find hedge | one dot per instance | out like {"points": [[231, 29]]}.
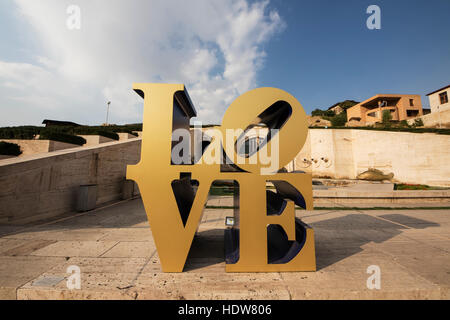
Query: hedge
{"points": [[108, 134], [68, 133], [62, 137], [24, 132], [100, 131], [128, 128], [9, 149]]}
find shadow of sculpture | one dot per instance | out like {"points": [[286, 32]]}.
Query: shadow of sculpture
{"points": [[207, 249], [120, 215], [336, 238], [409, 221], [339, 238]]}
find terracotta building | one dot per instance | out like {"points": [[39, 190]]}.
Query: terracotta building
{"points": [[401, 107]]}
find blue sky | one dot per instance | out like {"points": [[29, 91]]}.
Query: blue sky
{"points": [[320, 51], [326, 54]]}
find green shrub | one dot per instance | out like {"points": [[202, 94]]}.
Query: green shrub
{"points": [[386, 117], [404, 124], [120, 129], [29, 132], [62, 137], [9, 149], [134, 127], [24, 132], [108, 134], [321, 113], [221, 191], [418, 122], [100, 131], [339, 120], [347, 104], [406, 186]]}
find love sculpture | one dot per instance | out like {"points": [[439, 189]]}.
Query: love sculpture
{"points": [[266, 235]]}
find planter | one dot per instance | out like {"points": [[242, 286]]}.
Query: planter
{"points": [[87, 197]]}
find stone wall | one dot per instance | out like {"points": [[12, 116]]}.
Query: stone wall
{"points": [[435, 119], [41, 186], [125, 136], [412, 157], [29, 147], [93, 140]]}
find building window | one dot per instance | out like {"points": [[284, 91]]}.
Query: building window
{"points": [[411, 102], [412, 113], [443, 97]]}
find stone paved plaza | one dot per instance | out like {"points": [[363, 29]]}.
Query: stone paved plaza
{"points": [[114, 248]]}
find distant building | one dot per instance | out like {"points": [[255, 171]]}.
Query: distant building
{"points": [[401, 107], [54, 123], [439, 99], [342, 106], [337, 109]]}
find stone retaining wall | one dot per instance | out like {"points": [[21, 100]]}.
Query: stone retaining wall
{"points": [[435, 119], [29, 147], [420, 158], [93, 140], [41, 186]]}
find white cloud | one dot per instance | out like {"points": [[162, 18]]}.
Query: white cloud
{"points": [[215, 47]]}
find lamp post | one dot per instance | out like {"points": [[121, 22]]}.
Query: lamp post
{"points": [[107, 112]]}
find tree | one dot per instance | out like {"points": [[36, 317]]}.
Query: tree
{"points": [[348, 104], [317, 112], [322, 113], [404, 124], [386, 117], [339, 120]]}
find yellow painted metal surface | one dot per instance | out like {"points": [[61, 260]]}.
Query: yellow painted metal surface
{"points": [[155, 173]]}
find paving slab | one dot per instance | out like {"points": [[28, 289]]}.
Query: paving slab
{"points": [[17, 271], [131, 249], [28, 248], [8, 244], [57, 233], [75, 249], [101, 278], [128, 234], [116, 254]]}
